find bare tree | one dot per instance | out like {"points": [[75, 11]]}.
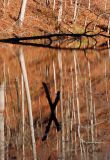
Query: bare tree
{"points": [[60, 12], [22, 12], [75, 10]]}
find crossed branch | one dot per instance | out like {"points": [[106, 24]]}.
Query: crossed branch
{"points": [[52, 108]]}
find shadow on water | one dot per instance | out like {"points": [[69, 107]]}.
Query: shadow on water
{"points": [[83, 78], [48, 42]]}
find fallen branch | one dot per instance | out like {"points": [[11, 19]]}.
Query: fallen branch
{"points": [[59, 37]]}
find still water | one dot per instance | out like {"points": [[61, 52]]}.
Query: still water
{"points": [[83, 79]]}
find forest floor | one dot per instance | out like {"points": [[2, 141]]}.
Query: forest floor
{"points": [[41, 19]]}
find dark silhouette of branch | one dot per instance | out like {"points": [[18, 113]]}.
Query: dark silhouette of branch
{"points": [[50, 39], [52, 107]]}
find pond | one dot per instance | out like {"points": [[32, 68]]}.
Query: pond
{"points": [[83, 79]]}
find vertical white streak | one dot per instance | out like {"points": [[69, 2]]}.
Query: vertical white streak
{"points": [[60, 12], [67, 125], [89, 5], [91, 104], [55, 82], [77, 99], [22, 12], [61, 101], [23, 116], [106, 81], [74, 115], [75, 10], [2, 107], [54, 73], [109, 25], [24, 72]]}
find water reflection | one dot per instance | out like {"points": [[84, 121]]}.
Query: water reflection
{"points": [[83, 77]]}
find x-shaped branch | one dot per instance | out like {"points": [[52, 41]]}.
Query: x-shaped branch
{"points": [[52, 107]]}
